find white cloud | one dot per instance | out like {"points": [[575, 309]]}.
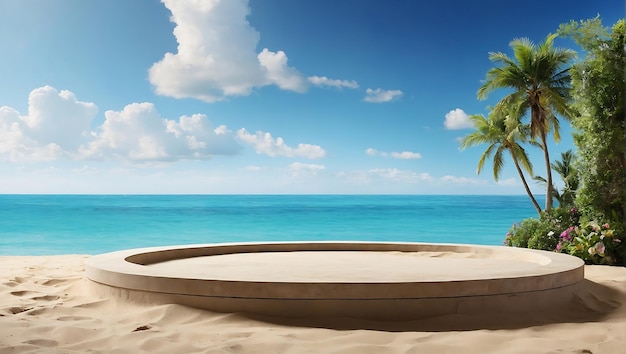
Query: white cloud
{"points": [[324, 81], [264, 143], [56, 124], [426, 177], [395, 174], [463, 180], [278, 73], [457, 119], [380, 95], [217, 55], [58, 117], [509, 182], [404, 155], [139, 133], [371, 151], [299, 169]]}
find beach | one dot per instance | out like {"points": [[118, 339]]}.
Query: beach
{"points": [[47, 307]]}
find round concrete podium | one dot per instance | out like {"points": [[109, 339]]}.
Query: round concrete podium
{"points": [[372, 280]]}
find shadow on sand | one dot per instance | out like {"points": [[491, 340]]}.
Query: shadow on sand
{"points": [[589, 302]]}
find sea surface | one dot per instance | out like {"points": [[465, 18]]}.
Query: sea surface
{"points": [[93, 224]]}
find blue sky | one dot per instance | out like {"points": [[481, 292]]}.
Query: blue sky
{"points": [[258, 96]]}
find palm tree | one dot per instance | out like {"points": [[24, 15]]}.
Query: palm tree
{"points": [[569, 176], [540, 81], [501, 137]]}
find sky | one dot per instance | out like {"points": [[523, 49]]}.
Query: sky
{"points": [[259, 96]]}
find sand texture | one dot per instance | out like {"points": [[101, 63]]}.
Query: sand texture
{"points": [[46, 306]]}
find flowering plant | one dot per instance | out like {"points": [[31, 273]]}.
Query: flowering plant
{"points": [[593, 243]]}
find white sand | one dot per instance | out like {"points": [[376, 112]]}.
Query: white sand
{"points": [[46, 307]]}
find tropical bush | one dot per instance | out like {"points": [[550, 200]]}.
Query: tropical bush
{"points": [[542, 233], [519, 234], [598, 91], [593, 242], [560, 230], [545, 85]]}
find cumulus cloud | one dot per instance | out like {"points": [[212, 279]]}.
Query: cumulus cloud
{"points": [[457, 119], [264, 143], [279, 73], [58, 117], [58, 125], [379, 95], [404, 155], [139, 133], [217, 55], [324, 81]]}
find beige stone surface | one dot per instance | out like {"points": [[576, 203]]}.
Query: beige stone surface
{"points": [[348, 266], [391, 281]]}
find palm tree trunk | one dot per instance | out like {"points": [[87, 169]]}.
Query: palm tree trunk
{"points": [[546, 156], [530, 194]]}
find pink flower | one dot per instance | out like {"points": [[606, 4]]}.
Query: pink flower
{"points": [[566, 235], [600, 248], [606, 226], [559, 246]]}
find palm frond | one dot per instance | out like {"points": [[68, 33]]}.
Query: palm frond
{"points": [[498, 162], [485, 155], [519, 153]]}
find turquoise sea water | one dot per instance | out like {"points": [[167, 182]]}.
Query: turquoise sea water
{"points": [[92, 224]]}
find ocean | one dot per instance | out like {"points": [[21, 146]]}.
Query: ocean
{"points": [[93, 224]]}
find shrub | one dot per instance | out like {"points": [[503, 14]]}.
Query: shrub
{"points": [[519, 235], [542, 233], [559, 230], [594, 243]]}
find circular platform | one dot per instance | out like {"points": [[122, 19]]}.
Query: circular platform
{"points": [[346, 279]]}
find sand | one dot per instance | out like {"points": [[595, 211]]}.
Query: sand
{"points": [[349, 266], [46, 307]]}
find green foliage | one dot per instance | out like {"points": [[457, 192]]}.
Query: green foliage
{"points": [[570, 177], [519, 234], [598, 91], [594, 243], [560, 230], [540, 81], [596, 181], [501, 137], [542, 233], [544, 239]]}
